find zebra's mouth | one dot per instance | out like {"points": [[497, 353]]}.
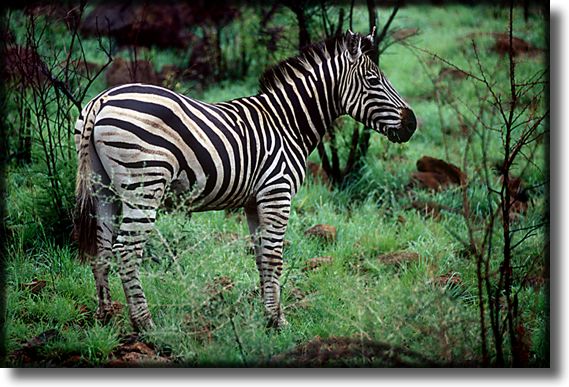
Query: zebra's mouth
{"points": [[393, 134], [403, 132]]}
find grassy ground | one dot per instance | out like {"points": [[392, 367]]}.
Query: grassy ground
{"points": [[201, 281]]}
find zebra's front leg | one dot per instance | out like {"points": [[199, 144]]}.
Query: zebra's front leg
{"points": [[133, 233], [269, 235]]}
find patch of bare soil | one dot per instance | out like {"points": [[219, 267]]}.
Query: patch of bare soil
{"points": [[350, 351]]}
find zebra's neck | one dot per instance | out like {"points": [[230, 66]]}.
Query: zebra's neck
{"points": [[304, 103]]}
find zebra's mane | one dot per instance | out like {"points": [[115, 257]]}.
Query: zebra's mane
{"points": [[309, 57]]}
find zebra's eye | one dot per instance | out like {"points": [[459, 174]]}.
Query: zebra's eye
{"points": [[373, 80]]}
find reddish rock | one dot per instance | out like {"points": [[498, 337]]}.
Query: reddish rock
{"points": [[314, 263], [448, 279], [404, 33], [322, 231], [452, 73], [519, 46], [398, 257], [135, 353], [317, 172], [431, 164], [431, 180], [436, 174]]}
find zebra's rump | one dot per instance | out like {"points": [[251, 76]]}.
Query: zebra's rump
{"points": [[148, 137]]}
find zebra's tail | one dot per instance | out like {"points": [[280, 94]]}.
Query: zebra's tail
{"points": [[85, 220]]}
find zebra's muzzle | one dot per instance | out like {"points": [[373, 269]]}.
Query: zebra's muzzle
{"points": [[404, 132]]}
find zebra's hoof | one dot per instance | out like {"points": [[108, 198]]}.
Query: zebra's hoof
{"points": [[104, 314], [143, 325]]}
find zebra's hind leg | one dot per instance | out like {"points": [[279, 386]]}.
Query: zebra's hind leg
{"points": [[101, 264], [135, 227], [268, 226]]}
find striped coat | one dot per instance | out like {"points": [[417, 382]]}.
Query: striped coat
{"points": [[136, 142]]}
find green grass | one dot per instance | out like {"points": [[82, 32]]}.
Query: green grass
{"points": [[198, 323]]}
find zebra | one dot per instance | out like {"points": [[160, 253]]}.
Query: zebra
{"points": [[135, 142]]}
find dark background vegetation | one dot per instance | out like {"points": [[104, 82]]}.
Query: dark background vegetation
{"points": [[432, 253]]}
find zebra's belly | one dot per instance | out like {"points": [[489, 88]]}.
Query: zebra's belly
{"points": [[194, 198]]}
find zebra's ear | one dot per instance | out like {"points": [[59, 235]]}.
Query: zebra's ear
{"points": [[354, 45], [371, 36]]}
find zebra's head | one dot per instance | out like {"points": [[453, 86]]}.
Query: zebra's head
{"points": [[367, 95]]}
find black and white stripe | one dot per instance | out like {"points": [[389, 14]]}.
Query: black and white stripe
{"points": [[137, 141]]}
